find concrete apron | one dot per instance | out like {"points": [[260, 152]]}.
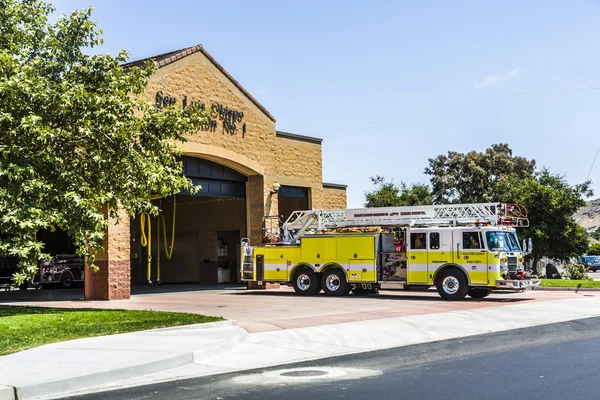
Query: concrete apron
{"points": [[282, 347], [59, 368]]}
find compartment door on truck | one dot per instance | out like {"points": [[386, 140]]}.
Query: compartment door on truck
{"points": [[360, 253], [440, 251], [416, 256], [471, 255]]}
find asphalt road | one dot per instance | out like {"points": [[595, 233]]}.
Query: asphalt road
{"points": [[558, 361], [594, 275]]}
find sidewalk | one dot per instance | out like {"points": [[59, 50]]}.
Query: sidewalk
{"points": [[153, 356], [80, 364]]}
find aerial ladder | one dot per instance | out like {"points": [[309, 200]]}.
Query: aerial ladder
{"points": [[301, 223]]}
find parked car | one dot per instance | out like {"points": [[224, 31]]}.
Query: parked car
{"points": [[591, 262]]}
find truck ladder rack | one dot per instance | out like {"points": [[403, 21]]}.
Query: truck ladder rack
{"points": [[301, 222]]}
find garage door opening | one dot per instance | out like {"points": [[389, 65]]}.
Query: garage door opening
{"points": [[207, 231], [292, 198]]}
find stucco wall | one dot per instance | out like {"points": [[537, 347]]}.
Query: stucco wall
{"points": [[334, 198], [257, 153]]}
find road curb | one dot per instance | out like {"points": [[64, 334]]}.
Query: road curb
{"points": [[208, 325], [205, 353], [7, 393], [167, 361], [42, 389]]}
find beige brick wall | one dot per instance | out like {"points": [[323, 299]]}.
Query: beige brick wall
{"points": [[334, 198], [197, 78], [259, 154]]}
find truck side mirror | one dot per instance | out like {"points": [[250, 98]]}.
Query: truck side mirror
{"points": [[529, 245]]}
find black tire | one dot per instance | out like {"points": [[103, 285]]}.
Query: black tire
{"points": [[66, 280], [452, 284], [306, 282], [479, 293], [334, 283], [24, 285]]}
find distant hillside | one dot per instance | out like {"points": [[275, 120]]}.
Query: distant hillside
{"points": [[589, 216]]}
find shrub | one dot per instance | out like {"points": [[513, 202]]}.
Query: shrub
{"points": [[575, 271]]}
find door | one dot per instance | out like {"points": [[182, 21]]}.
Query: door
{"points": [[469, 252], [417, 256], [440, 251]]}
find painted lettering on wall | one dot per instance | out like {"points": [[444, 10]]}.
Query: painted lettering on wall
{"points": [[232, 120]]}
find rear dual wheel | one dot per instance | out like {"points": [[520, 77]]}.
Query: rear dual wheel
{"points": [[306, 282], [334, 283]]}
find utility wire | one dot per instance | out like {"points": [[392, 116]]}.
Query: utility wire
{"points": [[468, 112], [367, 124], [593, 162], [489, 107]]}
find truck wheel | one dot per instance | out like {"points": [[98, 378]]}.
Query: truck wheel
{"points": [[306, 282], [479, 293], [452, 284], [66, 280], [334, 283]]}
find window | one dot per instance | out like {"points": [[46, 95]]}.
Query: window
{"points": [[418, 241], [471, 240], [434, 241], [511, 242]]}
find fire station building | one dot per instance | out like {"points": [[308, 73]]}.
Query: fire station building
{"points": [[247, 170]]}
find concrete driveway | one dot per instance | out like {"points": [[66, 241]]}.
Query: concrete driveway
{"points": [[277, 309]]}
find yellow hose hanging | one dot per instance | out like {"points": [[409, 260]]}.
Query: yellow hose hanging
{"points": [[169, 249], [145, 241]]}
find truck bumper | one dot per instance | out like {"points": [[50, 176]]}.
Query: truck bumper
{"points": [[507, 284]]}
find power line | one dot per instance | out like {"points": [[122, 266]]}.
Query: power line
{"points": [[490, 107], [468, 112], [469, 104], [593, 162]]}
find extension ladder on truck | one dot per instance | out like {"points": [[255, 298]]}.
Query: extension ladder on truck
{"points": [[301, 222]]}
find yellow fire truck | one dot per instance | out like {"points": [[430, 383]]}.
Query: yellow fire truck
{"points": [[461, 249]]}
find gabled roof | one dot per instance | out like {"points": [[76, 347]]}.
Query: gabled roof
{"points": [[162, 60]]}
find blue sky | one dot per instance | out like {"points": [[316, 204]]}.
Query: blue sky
{"points": [[389, 84]]}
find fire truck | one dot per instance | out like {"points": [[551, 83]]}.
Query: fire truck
{"points": [[460, 249]]}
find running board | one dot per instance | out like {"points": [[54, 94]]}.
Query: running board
{"points": [[392, 285]]}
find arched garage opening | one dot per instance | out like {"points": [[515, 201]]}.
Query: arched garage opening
{"points": [[208, 228]]}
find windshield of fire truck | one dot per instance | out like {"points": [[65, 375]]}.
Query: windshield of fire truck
{"points": [[511, 242]]}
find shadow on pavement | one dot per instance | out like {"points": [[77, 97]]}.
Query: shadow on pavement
{"points": [[41, 295], [402, 296], [181, 288]]}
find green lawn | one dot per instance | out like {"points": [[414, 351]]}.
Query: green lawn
{"points": [[26, 327], [570, 283]]}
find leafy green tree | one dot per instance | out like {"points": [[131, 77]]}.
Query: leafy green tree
{"points": [[551, 203], [595, 234], [497, 175], [76, 142], [594, 250], [388, 194], [473, 177]]}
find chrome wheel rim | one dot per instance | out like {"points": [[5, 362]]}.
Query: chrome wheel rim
{"points": [[303, 282], [333, 283], [450, 285]]}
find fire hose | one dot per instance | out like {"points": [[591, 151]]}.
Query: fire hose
{"points": [[146, 241]]}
